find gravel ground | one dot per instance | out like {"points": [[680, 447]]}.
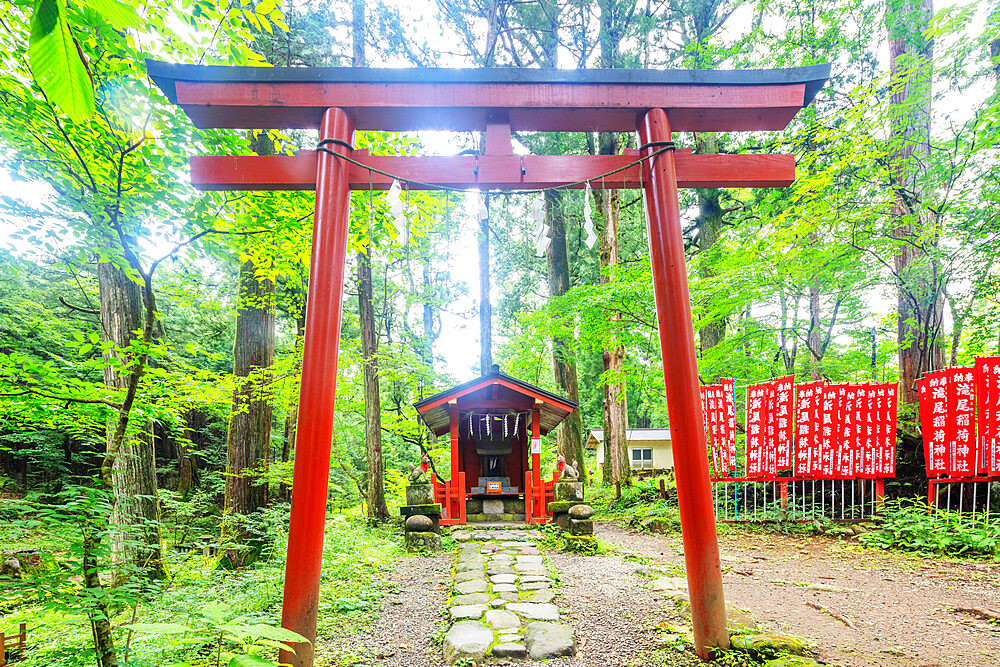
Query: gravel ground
{"points": [[608, 603], [407, 620], [612, 609], [901, 608]]}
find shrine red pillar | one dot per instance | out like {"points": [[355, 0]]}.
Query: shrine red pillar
{"points": [[687, 429], [453, 434], [538, 497], [317, 391]]}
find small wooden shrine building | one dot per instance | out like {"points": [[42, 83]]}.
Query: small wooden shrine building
{"points": [[495, 423]]}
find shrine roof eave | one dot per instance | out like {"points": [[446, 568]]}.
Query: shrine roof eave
{"points": [[462, 99], [434, 410]]}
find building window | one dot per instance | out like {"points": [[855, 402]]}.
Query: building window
{"points": [[642, 459]]}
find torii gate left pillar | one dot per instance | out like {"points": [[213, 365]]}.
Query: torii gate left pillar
{"points": [[338, 101], [318, 390]]}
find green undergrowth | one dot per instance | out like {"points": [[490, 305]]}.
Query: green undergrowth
{"points": [[640, 506], [910, 525], [555, 539], [172, 624]]}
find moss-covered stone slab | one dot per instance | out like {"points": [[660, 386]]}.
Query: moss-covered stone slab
{"points": [[581, 527], [549, 640], [560, 505], [779, 643], [467, 640], [410, 510]]}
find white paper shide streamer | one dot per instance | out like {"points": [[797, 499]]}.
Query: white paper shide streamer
{"points": [[484, 209], [396, 211], [588, 223], [541, 230]]}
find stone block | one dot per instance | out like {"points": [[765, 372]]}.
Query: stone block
{"points": [[535, 611], [513, 506], [561, 520], [581, 511], [471, 586], [569, 491], [473, 506], [549, 640], [510, 650], [581, 527], [547, 595], [560, 505], [467, 640], [500, 619], [420, 494], [468, 599], [416, 541], [464, 612], [429, 509], [492, 506], [535, 586]]}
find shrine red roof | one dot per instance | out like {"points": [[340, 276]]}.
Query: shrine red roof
{"points": [[460, 100], [494, 391]]}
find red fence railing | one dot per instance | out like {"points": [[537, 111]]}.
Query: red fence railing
{"points": [[451, 495]]}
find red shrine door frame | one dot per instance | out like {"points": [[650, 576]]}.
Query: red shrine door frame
{"points": [[340, 100]]}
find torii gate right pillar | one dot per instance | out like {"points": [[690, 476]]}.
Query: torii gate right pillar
{"points": [[687, 427]]}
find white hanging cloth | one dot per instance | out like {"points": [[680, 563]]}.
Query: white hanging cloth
{"points": [[483, 211], [396, 211], [588, 224], [540, 230]]}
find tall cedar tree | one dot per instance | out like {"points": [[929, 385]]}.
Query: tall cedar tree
{"points": [[617, 467], [374, 483], [133, 471], [918, 278]]}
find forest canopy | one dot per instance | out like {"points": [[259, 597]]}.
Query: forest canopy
{"points": [[151, 333]]}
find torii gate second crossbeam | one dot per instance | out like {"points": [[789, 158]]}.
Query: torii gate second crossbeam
{"points": [[339, 101]]}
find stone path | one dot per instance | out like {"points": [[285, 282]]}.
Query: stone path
{"points": [[502, 602]]}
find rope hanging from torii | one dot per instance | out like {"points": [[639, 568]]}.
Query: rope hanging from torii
{"points": [[662, 147]]}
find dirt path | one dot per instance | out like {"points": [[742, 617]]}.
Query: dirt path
{"points": [[900, 608], [607, 602]]}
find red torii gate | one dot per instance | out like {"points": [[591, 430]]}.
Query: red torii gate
{"points": [[339, 101]]}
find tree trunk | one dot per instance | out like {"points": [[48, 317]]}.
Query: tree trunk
{"points": [[186, 465], [616, 415], [616, 411], [713, 329], [375, 486], [248, 443], [428, 308], [100, 618], [919, 281], [136, 516], [374, 482], [292, 413], [570, 434], [485, 306], [815, 337]]}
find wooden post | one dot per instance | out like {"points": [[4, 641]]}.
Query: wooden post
{"points": [[673, 314], [618, 490], [663, 489], [318, 386], [536, 463]]}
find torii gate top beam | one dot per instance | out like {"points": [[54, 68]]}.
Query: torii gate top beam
{"points": [[460, 100]]}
